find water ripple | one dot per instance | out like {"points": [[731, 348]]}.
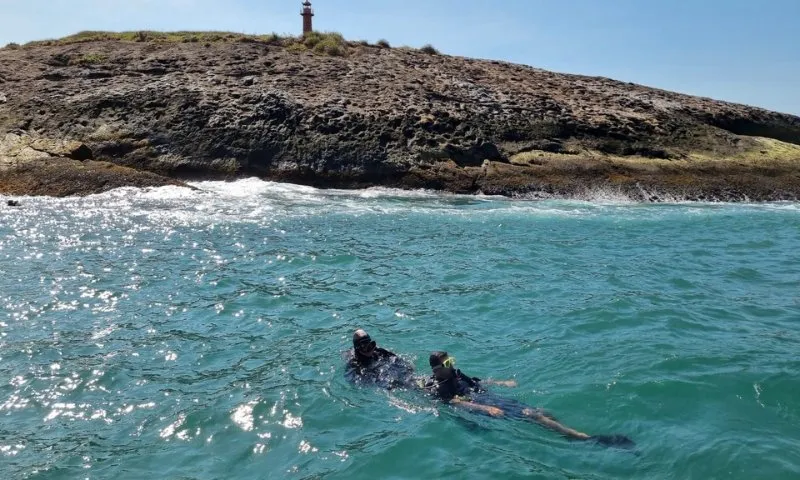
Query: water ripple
{"points": [[199, 334]]}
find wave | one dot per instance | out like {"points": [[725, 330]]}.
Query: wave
{"points": [[259, 201]]}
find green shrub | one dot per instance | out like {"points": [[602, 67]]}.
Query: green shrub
{"points": [[328, 43], [297, 48], [289, 41], [429, 49], [330, 47], [271, 38], [12, 46], [335, 36], [383, 43], [311, 39]]}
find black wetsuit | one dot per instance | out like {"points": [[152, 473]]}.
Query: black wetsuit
{"points": [[383, 368], [470, 388], [460, 385]]}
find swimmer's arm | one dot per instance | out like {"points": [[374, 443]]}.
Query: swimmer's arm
{"points": [[351, 372], [501, 383], [487, 409]]}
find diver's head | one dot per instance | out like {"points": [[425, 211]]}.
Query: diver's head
{"points": [[443, 366], [362, 344]]}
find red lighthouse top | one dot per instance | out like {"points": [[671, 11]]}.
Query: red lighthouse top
{"points": [[307, 13]]}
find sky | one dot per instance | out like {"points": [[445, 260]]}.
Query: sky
{"points": [[735, 50]]}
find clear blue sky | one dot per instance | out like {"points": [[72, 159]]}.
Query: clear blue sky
{"points": [[737, 50]]}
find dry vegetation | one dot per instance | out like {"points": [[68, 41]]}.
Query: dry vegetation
{"points": [[325, 43]]}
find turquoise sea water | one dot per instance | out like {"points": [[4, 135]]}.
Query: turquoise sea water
{"points": [[167, 333]]}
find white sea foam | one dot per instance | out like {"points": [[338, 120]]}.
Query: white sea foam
{"points": [[249, 187], [263, 202], [383, 192]]}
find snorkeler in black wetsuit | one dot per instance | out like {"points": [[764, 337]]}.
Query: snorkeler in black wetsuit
{"points": [[368, 363], [451, 386]]}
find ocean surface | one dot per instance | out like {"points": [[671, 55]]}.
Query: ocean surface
{"points": [[170, 333]]}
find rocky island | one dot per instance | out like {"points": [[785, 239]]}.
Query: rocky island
{"points": [[100, 110]]}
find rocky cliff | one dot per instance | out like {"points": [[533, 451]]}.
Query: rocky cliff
{"points": [[355, 115]]}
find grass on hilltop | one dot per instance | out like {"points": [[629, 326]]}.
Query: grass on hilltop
{"points": [[159, 37], [322, 43], [325, 43]]}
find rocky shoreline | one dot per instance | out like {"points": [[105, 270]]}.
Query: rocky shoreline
{"points": [[87, 114]]}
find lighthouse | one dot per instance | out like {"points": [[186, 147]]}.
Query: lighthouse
{"points": [[307, 14]]}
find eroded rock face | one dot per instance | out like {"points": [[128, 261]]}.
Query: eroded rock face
{"points": [[35, 165], [376, 117], [60, 177], [25, 147]]}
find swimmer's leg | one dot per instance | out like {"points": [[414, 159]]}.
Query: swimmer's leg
{"points": [[538, 416], [541, 412]]}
